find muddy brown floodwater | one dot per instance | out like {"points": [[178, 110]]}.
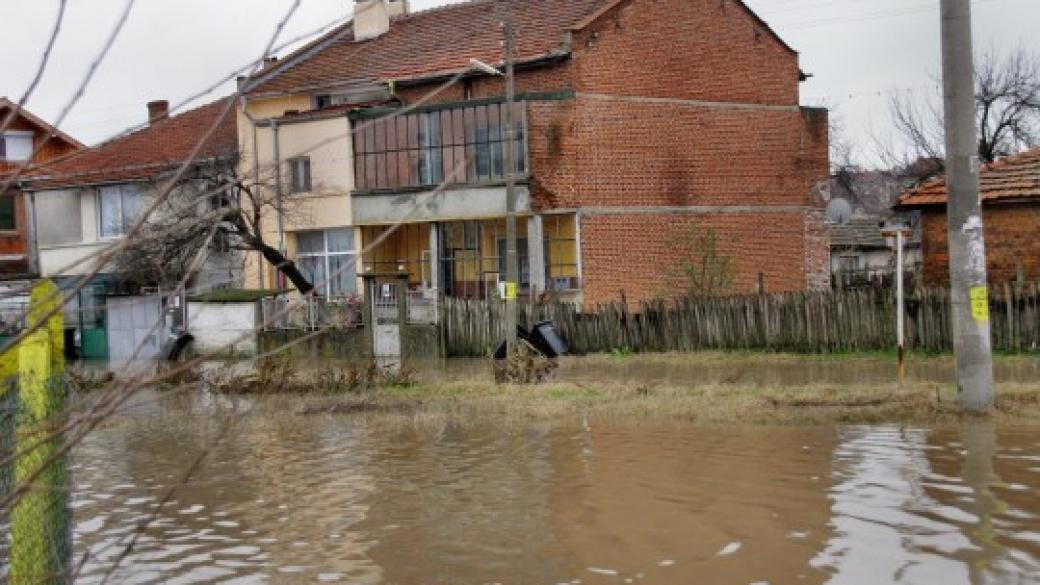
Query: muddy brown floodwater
{"points": [[352, 499]]}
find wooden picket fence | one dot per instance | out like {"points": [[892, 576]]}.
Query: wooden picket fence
{"points": [[822, 322]]}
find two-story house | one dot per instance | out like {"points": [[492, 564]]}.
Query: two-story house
{"points": [[83, 204], [636, 122], [25, 142]]}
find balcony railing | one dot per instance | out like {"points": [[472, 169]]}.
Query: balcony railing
{"points": [[463, 145]]}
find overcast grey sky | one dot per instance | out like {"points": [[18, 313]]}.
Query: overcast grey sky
{"points": [[859, 51]]}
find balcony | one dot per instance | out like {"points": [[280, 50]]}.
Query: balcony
{"points": [[461, 146]]}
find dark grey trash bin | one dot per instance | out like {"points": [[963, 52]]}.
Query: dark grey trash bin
{"points": [[546, 339]]}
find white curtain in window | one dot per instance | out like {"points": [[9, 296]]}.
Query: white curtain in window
{"points": [[119, 208], [313, 267], [133, 206], [18, 146], [110, 208]]}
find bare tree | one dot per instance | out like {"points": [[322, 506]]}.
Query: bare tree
{"points": [[217, 209], [701, 269], [1007, 96], [844, 167]]}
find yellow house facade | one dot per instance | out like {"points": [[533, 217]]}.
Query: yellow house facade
{"points": [[300, 160]]}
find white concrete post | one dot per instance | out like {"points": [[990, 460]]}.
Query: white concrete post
{"points": [[435, 258], [900, 304]]}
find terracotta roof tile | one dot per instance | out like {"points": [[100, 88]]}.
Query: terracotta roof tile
{"points": [[159, 147], [428, 42], [1013, 177]]}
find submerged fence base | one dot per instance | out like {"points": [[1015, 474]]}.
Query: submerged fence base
{"points": [[825, 322]]}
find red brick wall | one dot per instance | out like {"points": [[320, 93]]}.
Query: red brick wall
{"points": [[635, 252], [1011, 242], [622, 153], [711, 50]]}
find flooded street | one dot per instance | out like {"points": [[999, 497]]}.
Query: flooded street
{"points": [[284, 498]]}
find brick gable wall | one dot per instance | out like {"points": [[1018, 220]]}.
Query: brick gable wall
{"points": [[1011, 242], [711, 50]]}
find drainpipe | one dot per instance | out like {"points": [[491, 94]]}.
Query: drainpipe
{"points": [[278, 186], [256, 182], [33, 239]]}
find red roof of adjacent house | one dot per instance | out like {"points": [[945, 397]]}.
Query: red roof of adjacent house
{"points": [[1010, 178], [438, 41], [140, 155]]}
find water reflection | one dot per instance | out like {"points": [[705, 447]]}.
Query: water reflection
{"points": [[292, 499], [913, 506]]}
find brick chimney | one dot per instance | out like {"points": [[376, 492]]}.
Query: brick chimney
{"points": [[372, 17], [158, 110]]}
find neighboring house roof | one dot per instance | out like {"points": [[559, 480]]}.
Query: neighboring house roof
{"points": [[161, 146], [1013, 178], [439, 41], [857, 233], [7, 105]]}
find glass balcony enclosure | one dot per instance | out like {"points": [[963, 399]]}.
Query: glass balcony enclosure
{"points": [[461, 145]]}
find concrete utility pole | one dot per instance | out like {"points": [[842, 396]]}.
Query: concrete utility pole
{"points": [[512, 266], [968, 287]]}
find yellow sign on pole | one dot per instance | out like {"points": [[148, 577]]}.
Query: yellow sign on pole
{"points": [[510, 291], [980, 303]]}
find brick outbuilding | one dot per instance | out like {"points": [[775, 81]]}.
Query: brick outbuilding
{"points": [[1010, 191]]}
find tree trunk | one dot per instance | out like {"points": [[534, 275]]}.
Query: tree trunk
{"points": [[273, 256], [286, 267]]}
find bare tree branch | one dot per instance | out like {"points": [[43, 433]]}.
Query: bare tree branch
{"points": [[1007, 96]]}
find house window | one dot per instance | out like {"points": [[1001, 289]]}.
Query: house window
{"points": [[8, 221], [119, 207], [328, 259], [521, 260], [300, 175], [16, 146]]}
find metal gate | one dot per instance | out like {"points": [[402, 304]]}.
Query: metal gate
{"points": [[132, 323], [386, 325]]}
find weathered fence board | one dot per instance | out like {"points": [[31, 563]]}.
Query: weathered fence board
{"points": [[824, 322]]}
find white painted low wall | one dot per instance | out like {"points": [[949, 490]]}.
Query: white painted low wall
{"points": [[224, 327]]}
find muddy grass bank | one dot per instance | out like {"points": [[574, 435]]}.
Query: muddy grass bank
{"points": [[627, 387], [717, 404]]}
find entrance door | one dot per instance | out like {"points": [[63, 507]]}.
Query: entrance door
{"points": [[386, 326]]}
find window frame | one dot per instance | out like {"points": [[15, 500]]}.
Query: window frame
{"points": [[419, 150], [124, 189], [523, 260], [5, 150], [325, 254], [14, 213], [308, 184]]}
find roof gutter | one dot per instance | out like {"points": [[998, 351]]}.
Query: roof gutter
{"points": [[545, 60]]}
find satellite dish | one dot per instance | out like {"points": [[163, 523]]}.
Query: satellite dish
{"points": [[839, 211]]}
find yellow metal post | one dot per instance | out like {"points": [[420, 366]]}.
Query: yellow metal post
{"points": [[40, 536]]}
